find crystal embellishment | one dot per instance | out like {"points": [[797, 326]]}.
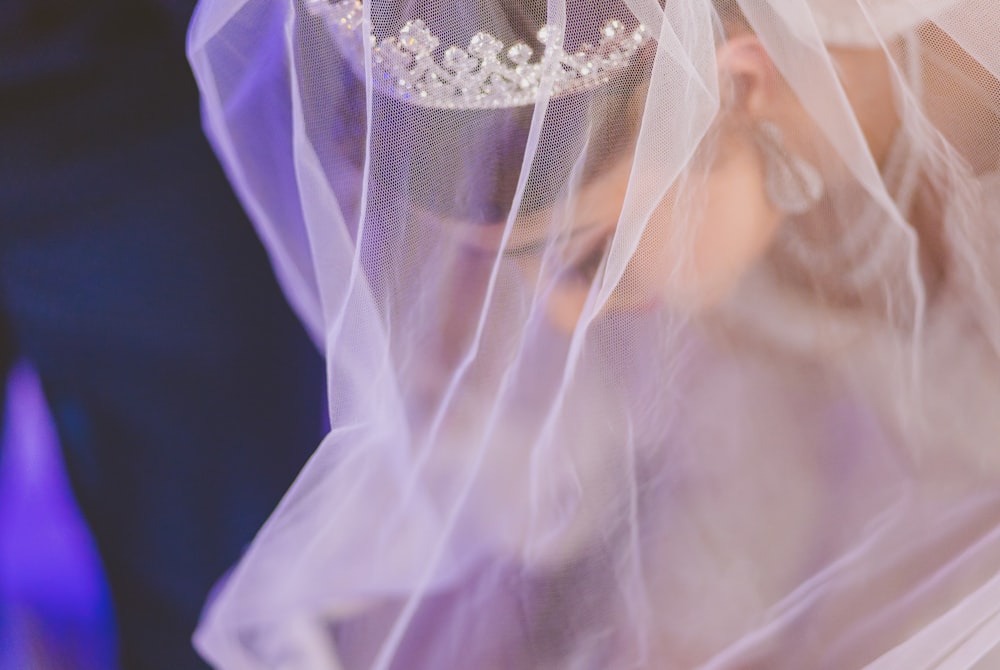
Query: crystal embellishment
{"points": [[519, 54], [415, 38], [482, 75], [484, 46]]}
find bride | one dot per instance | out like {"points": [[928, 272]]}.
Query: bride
{"points": [[658, 335]]}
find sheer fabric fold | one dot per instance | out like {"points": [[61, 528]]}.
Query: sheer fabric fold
{"points": [[658, 335]]}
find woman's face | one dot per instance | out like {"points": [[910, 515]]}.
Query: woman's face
{"points": [[693, 248], [705, 232]]}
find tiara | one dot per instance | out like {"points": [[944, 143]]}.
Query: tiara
{"points": [[485, 74]]}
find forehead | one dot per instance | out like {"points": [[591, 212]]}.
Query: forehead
{"points": [[597, 203]]}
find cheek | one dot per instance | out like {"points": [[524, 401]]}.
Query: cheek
{"points": [[739, 225], [696, 247], [699, 244], [565, 306]]}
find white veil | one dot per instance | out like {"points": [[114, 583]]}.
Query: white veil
{"points": [[658, 335]]}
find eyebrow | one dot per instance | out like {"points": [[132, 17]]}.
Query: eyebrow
{"points": [[538, 245]]}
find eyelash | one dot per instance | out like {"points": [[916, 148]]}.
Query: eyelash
{"points": [[586, 268]]}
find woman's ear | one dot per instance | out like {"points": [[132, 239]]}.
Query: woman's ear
{"points": [[750, 83]]}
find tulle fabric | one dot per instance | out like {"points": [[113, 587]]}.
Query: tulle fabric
{"points": [[587, 411]]}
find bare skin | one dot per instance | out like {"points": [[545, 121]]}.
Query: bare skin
{"points": [[733, 223]]}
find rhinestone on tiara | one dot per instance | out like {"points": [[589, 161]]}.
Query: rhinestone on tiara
{"points": [[485, 74]]}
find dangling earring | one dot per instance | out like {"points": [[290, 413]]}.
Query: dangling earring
{"points": [[793, 184]]}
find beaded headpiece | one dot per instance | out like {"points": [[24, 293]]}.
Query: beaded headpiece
{"points": [[486, 74]]}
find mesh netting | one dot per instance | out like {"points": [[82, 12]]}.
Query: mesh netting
{"points": [[657, 335]]}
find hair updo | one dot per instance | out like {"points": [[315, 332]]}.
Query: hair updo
{"points": [[466, 163]]}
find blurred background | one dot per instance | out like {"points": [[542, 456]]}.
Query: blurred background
{"points": [[55, 611], [133, 283]]}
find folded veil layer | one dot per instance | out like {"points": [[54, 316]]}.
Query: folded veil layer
{"points": [[689, 361]]}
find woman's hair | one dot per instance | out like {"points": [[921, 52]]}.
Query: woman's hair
{"points": [[466, 162], [730, 14]]}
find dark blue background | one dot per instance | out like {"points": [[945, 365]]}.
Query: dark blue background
{"points": [[185, 394]]}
